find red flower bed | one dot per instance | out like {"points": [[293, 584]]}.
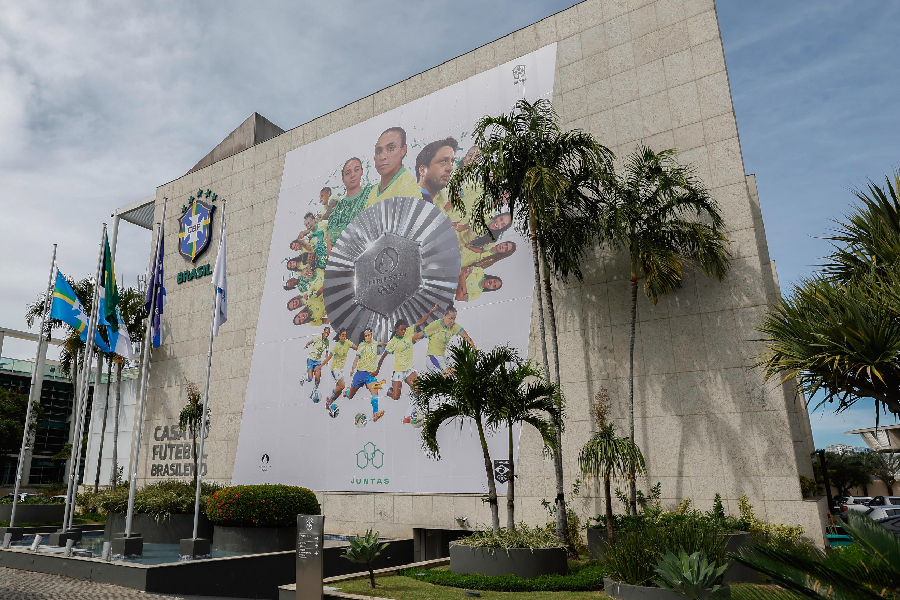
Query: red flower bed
{"points": [[261, 505]]}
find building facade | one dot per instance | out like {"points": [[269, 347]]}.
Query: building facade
{"points": [[630, 72]]}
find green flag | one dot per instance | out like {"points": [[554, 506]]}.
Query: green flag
{"points": [[110, 291]]}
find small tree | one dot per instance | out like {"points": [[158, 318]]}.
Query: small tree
{"points": [[608, 456], [364, 550], [190, 420], [846, 471], [518, 394], [463, 394], [13, 407], [887, 468], [661, 214]]}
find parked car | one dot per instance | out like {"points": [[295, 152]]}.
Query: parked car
{"points": [[882, 512], [22, 496], [885, 501], [848, 500]]}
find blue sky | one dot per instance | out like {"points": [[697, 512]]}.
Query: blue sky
{"points": [[99, 106]]}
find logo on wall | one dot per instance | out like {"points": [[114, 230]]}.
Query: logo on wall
{"points": [[501, 470], [370, 455], [195, 227], [264, 463]]}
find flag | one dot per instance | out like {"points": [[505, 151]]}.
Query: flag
{"points": [[220, 281], [156, 289], [67, 308], [120, 340], [109, 292]]}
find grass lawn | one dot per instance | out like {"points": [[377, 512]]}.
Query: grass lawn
{"points": [[405, 588]]}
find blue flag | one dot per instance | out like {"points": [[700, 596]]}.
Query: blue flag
{"points": [[67, 308], [155, 288]]}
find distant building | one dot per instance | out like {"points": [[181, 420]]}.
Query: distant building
{"points": [[840, 448]]}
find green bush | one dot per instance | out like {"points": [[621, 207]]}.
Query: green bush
{"points": [[35, 500], [632, 558], [684, 514], [582, 577], [522, 537], [261, 505], [159, 499]]}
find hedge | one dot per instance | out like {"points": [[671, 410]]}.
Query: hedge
{"points": [[582, 577], [261, 505], [159, 499]]}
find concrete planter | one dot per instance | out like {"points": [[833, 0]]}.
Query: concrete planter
{"points": [[34, 513], [624, 591], [738, 572], [168, 530], [254, 540], [597, 540], [520, 562]]}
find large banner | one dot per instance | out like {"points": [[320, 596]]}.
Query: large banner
{"points": [[372, 276]]}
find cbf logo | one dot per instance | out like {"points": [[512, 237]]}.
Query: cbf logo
{"points": [[370, 455], [196, 229]]}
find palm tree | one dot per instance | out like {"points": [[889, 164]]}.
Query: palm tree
{"points": [[806, 572], [544, 176], [887, 468], [662, 215], [518, 394], [462, 395], [189, 420], [838, 332], [131, 307], [609, 456]]}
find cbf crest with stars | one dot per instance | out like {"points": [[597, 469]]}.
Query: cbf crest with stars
{"points": [[196, 229]]}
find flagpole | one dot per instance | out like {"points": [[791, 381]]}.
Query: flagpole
{"points": [[48, 300], [145, 376], [85, 384], [203, 432]]}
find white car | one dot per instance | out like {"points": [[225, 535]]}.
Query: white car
{"points": [[882, 512]]}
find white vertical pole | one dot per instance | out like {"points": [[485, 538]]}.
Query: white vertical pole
{"points": [[48, 300], [85, 385], [145, 377], [206, 392], [114, 237]]}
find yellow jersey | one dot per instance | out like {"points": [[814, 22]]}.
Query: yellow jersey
{"points": [[402, 349], [439, 336], [401, 185], [339, 355], [368, 356]]}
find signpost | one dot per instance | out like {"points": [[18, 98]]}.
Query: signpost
{"points": [[310, 556]]}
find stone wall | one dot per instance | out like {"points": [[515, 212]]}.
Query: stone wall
{"points": [[630, 72]]}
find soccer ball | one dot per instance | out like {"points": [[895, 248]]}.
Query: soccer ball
{"points": [[333, 411], [360, 420]]}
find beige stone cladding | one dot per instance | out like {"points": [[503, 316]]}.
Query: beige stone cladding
{"points": [[630, 72]]}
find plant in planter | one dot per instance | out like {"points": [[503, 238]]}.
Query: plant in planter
{"points": [[524, 551], [631, 560], [364, 550], [608, 456], [689, 575]]}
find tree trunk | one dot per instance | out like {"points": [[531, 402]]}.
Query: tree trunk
{"points": [[610, 529], [540, 307], [103, 424], [632, 499], [115, 453], [371, 575], [489, 469], [511, 486], [562, 517]]}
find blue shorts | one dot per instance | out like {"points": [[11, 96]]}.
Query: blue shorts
{"points": [[361, 379], [312, 364]]}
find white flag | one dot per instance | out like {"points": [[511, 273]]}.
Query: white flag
{"points": [[123, 340], [219, 280]]}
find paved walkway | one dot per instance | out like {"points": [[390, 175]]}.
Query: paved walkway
{"points": [[27, 585]]}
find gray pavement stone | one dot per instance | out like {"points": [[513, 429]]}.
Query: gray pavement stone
{"points": [[16, 584]]}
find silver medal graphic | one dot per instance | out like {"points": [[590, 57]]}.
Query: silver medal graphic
{"points": [[395, 260]]}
